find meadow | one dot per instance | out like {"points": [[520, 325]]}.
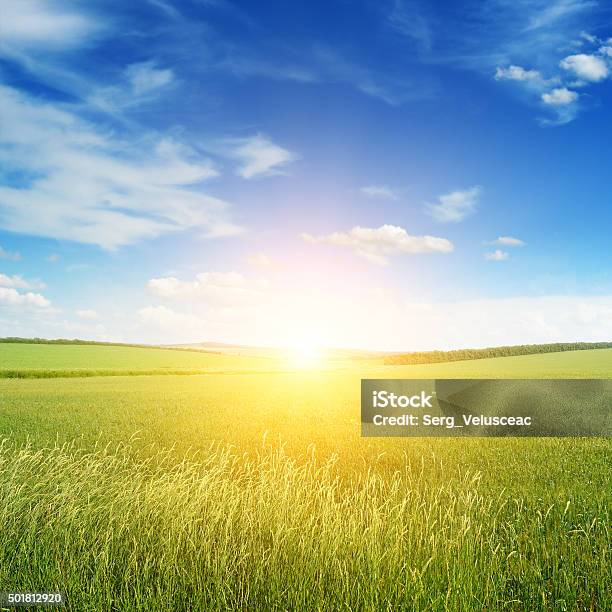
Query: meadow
{"points": [[20, 360], [249, 487]]}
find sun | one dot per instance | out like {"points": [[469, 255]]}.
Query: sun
{"points": [[304, 353]]}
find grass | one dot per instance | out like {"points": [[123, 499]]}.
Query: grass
{"points": [[220, 532], [255, 491]]}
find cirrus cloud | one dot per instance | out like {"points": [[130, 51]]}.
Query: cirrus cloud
{"points": [[258, 156], [380, 192], [11, 256], [34, 24], [83, 184]]}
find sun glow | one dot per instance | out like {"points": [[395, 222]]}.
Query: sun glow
{"points": [[305, 353]]}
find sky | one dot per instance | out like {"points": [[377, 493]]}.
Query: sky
{"points": [[389, 174]]}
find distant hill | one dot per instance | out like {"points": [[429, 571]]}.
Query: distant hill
{"points": [[277, 352], [485, 353]]}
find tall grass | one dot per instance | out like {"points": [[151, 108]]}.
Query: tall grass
{"points": [[221, 530]]}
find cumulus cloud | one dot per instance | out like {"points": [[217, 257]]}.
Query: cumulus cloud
{"points": [[12, 256], [455, 206], [18, 282], [497, 255], [561, 96], [380, 192], [557, 94], [87, 186], [88, 314], [213, 287], [377, 244], [11, 297], [516, 73], [258, 156], [586, 67], [510, 241]]}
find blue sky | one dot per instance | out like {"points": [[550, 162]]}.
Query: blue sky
{"points": [[395, 175]]}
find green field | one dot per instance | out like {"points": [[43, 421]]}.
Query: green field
{"points": [[57, 360], [251, 489]]}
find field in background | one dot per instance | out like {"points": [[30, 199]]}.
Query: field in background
{"points": [[254, 490], [53, 360]]}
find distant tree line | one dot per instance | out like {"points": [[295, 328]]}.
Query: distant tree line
{"points": [[496, 351], [76, 341], [14, 340]]}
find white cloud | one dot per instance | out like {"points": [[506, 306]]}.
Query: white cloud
{"points": [[497, 255], [142, 83], [377, 244], [455, 206], [87, 314], [495, 322], [586, 67], [561, 96], [320, 63], [320, 313], [590, 38], [258, 155], [406, 19], [165, 324], [556, 10], [12, 256], [380, 192], [507, 241], [90, 187], [213, 287], [11, 297], [145, 77], [606, 50], [516, 73], [166, 8], [53, 258], [18, 282], [391, 89], [48, 24]]}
